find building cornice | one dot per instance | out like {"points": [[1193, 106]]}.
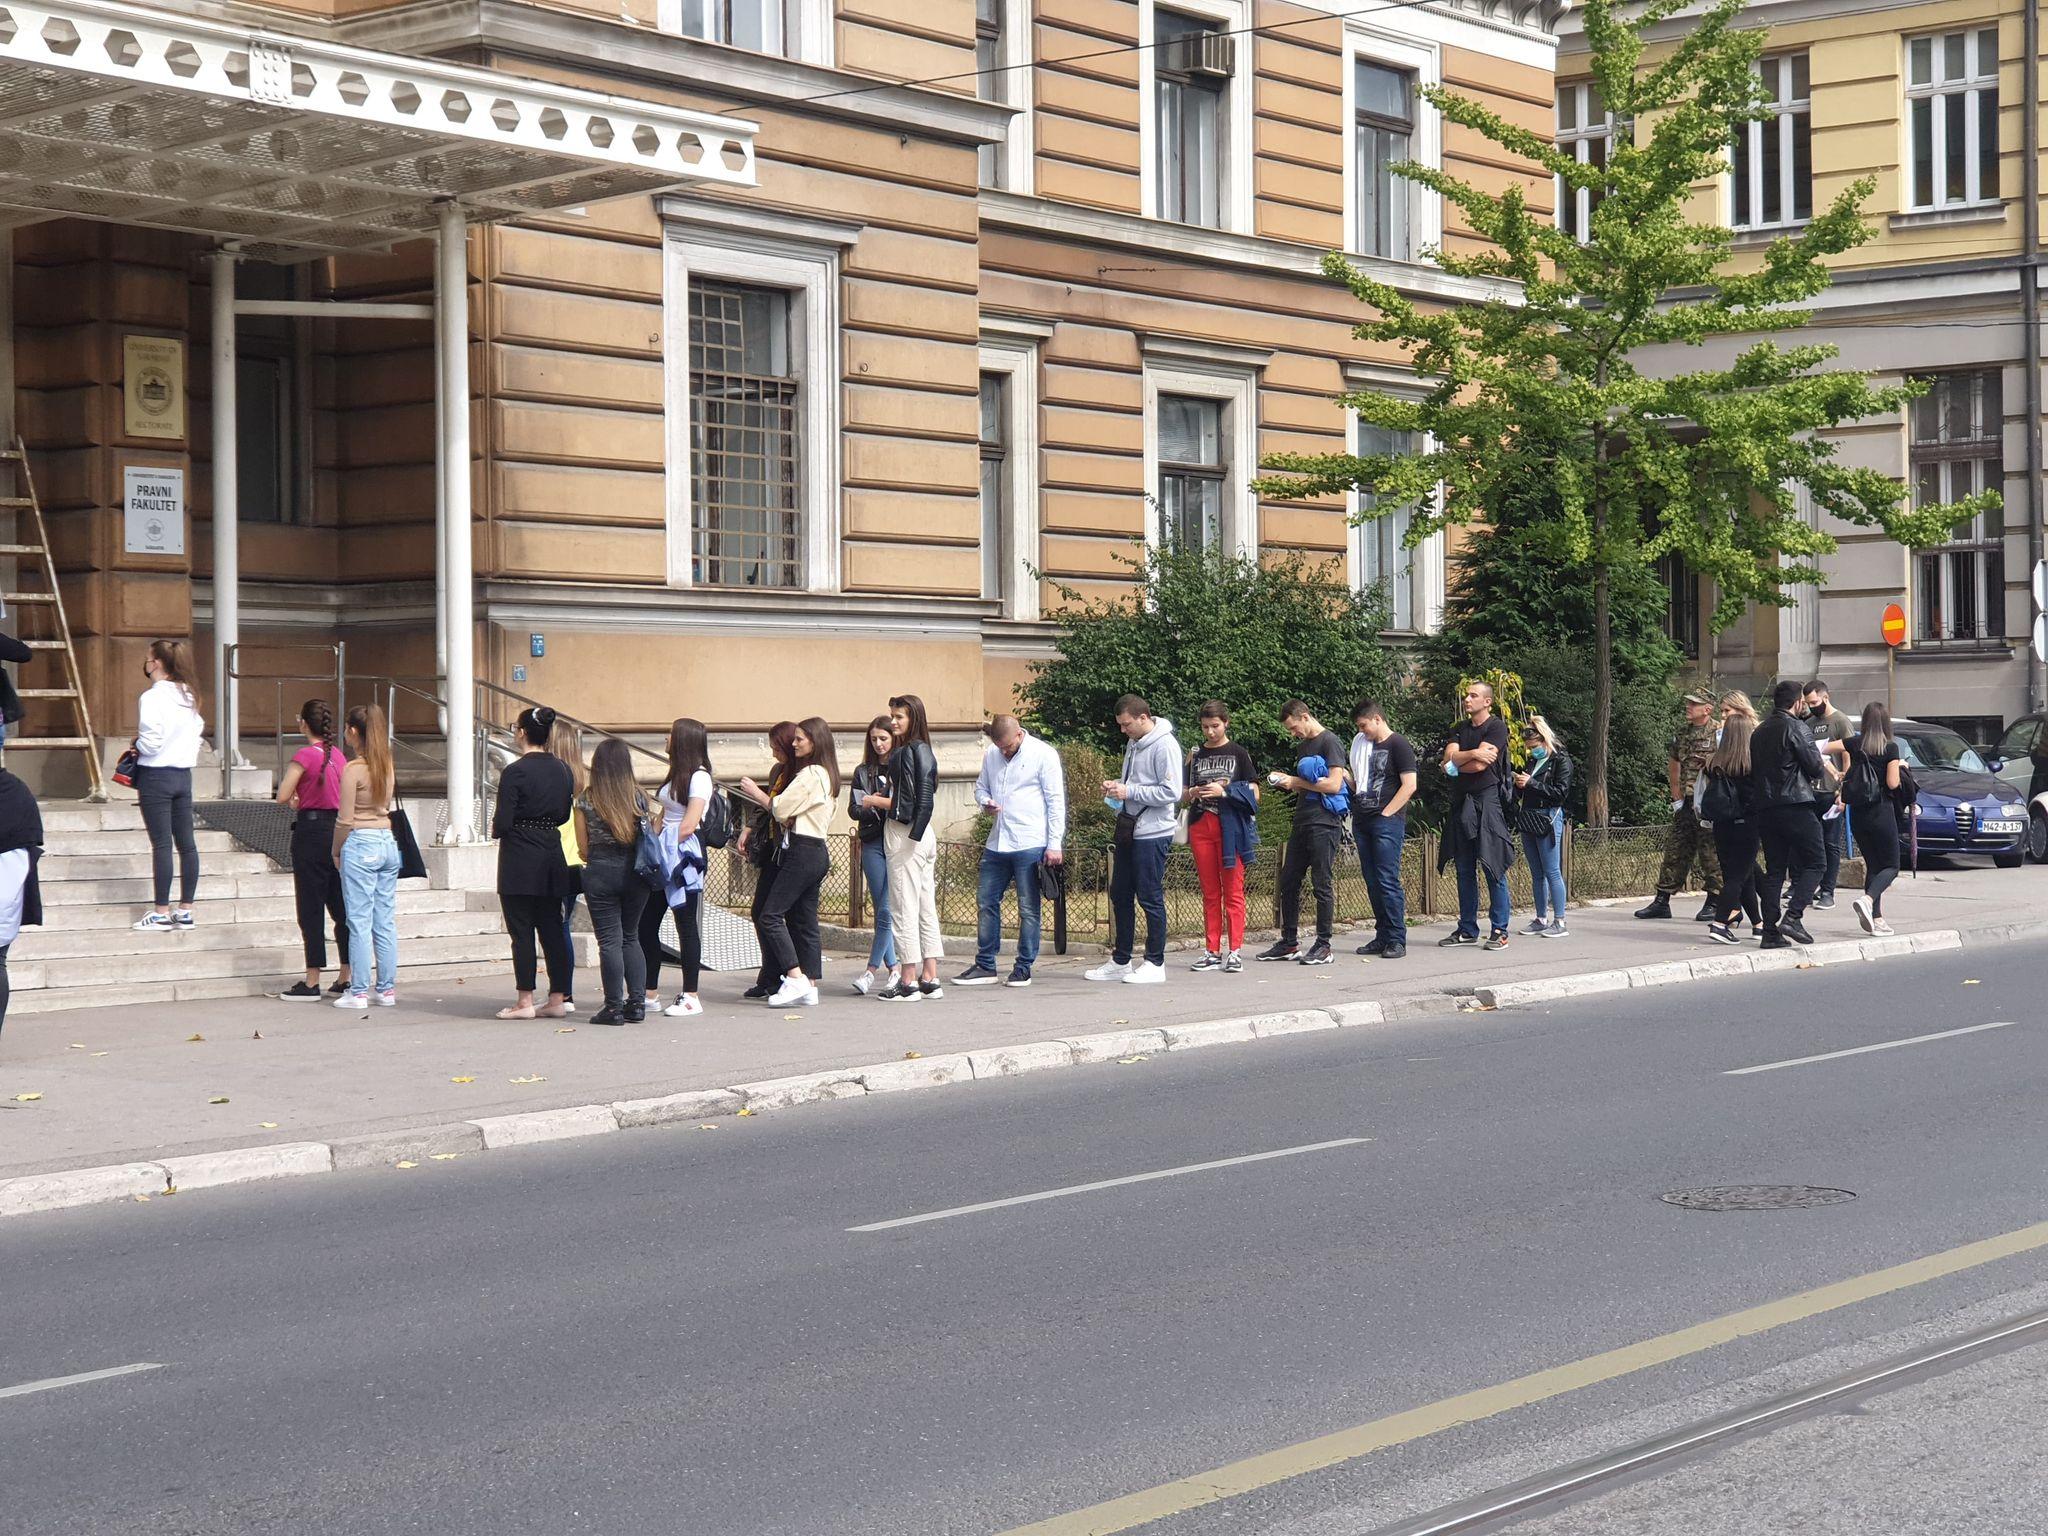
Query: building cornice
{"points": [[1761, 14], [1221, 248], [641, 55], [672, 610]]}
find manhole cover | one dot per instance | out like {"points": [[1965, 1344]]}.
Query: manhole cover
{"points": [[1756, 1197]]}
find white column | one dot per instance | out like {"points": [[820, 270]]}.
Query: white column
{"points": [[440, 534], [227, 526], [451, 324]]}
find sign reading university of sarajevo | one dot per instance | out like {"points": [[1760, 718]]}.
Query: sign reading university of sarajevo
{"points": [[153, 503], [153, 387]]}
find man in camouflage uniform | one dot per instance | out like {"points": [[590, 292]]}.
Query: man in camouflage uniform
{"points": [[1689, 839]]}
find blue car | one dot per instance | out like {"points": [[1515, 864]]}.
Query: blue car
{"points": [[1964, 806]]}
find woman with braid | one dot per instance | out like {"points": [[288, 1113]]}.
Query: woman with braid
{"points": [[312, 788]]}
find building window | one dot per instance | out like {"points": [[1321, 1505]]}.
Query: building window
{"points": [[1384, 123], [756, 25], [1195, 60], [995, 487], [1958, 434], [744, 439], [1583, 131], [269, 358], [991, 80], [1682, 616], [1952, 118], [1193, 466], [1383, 559], [1772, 160]]}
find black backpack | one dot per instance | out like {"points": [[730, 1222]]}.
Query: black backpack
{"points": [[715, 830], [1864, 786], [1720, 801]]}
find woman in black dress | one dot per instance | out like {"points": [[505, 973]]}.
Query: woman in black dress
{"points": [[536, 795]]}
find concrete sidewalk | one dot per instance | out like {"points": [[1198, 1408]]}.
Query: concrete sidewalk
{"points": [[123, 1084]]}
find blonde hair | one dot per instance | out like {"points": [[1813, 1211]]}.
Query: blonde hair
{"points": [[1731, 757], [566, 742], [373, 740], [1736, 702], [1542, 727]]}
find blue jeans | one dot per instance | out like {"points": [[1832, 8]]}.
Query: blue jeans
{"points": [[369, 885], [1468, 895], [874, 871], [1137, 878], [1546, 867], [998, 870], [1380, 839]]}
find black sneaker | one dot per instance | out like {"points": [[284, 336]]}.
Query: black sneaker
{"points": [[1018, 977], [977, 976], [1721, 933], [1377, 946], [336, 987], [1498, 939], [1285, 949], [1708, 911], [1793, 929], [930, 989], [896, 992], [756, 992], [1772, 940], [1318, 953], [1212, 961], [1394, 952], [1824, 902], [299, 992], [1660, 906], [608, 1015], [1457, 940], [636, 1013]]}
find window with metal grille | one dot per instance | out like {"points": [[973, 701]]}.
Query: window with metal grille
{"points": [[746, 525], [1682, 614], [1192, 468], [1384, 129], [756, 25], [995, 499], [1771, 161], [1384, 560], [1952, 118], [1583, 132], [1193, 99], [1958, 448]]}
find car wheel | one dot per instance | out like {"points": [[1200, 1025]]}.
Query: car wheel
{"points": [[2037, 837]]}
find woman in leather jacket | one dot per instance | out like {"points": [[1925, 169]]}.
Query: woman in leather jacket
{"points": [[912, 851]]}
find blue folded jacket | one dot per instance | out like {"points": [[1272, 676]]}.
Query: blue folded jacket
{"points": [[1313, 768]]}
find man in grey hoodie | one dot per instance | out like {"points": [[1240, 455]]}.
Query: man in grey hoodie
{"points": [[1145, 795]]}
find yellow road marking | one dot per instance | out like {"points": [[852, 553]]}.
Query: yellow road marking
{"points": [[1254, 1472]]}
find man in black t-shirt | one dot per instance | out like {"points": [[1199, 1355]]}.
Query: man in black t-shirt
{"points": [[1312, 846], [1478, 755], [1382, 773]]}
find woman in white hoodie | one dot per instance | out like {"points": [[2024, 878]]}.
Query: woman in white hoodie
{"points": [[167, 746]]}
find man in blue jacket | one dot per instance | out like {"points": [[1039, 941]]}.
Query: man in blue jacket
{"points": [[1144, 796]]}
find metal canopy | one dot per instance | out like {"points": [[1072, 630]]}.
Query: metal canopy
{"points": [[288, 144]]}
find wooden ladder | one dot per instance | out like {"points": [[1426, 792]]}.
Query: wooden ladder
{"points": [[36, 617]]}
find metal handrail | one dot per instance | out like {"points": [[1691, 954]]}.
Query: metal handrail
{"points": [[483, 688], [228, 728]]}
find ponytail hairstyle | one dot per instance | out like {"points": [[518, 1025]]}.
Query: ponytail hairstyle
{"points": [[912, 706], [870, 759], [614, 798], [536, 725], [823, 750], [175, 657], [689, 753], [373, 746], [315, 715], [566, 742], [782, 742]]}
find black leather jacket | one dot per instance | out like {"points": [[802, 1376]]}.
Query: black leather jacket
{"points": [[1550, 783], [915, 774], [1783, 762]]}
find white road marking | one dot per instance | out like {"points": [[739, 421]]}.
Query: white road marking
{"points": [[1861, 1050], [52, 1383], [1134, 1178]]}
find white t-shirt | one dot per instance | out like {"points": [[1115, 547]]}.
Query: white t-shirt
{"points": [[13, 886]]}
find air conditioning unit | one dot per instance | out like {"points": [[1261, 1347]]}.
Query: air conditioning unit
{"points": [[1204, 53]]}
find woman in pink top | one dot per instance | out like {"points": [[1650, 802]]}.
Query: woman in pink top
{"points": [[312, 787]]}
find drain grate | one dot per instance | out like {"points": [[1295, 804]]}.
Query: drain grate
{"points": [[1756, 1197]]}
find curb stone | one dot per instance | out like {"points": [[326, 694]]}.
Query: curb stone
{"points": [[29, 1194]]}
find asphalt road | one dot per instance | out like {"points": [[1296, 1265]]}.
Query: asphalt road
{"points": [[676, 1332]]}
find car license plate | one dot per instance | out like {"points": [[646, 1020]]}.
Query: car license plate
{"points": [[1993, 828]]}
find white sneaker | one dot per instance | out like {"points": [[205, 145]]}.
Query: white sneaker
{"points": [[863, 982], [354, 1002], [567, 1006], [1880, 927], [387, 997], [154, 922], [684, 1007], [1865, 918], [1146, 975], [794, 994], [1109, 970]]}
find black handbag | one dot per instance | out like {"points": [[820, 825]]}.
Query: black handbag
{"points": [[410, 865], [1532, 822]]}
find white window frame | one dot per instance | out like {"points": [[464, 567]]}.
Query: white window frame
{"points": [[1423, 61], [1426, 568], [1017, 87], [1017, 362], [808, 269], [1937, 90], [1575, 140], [806, 29], [1238, 389], [1237, 193], [1781, 122]]}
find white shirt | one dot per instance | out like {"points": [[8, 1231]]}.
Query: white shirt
{"points": [[1031, 790], [1361, 762], [168, 727], [13, 887]]}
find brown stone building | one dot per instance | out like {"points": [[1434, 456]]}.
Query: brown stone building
{"points": [[806, 353]]}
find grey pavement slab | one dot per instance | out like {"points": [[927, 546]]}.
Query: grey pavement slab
{"points": [[121, 1083]]}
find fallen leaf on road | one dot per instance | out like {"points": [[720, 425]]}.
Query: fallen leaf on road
{"points": [[1806, 965], [99, 1053], [461, 1079], [1973, 983], [570, 1030], [913, 1055], [707, 1127], [221, 1100], [75, 1046], [1119, 1021], [744, 1113], [536, 1078], [266, 1125], [1129, 1061], [26, 1098], [142, 1199], [189, 1039], [408, 1165], [791, 1018], [257, 1036], [445, 1157]]}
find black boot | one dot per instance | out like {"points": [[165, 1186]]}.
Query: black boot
{"points": [[1660, 906], [1709, 910]]}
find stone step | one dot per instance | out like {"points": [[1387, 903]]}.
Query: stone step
{"points": [[56, 868], [217, 912], [120, 940], [412, 980], [214, 885], [128, 840], [84, 816], [168, 960]]}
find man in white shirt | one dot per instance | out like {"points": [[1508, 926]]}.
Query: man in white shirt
{"points": [[1023, 786]]}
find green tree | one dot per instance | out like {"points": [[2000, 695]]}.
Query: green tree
{"points": [[1575, 376], [1202, 625]]}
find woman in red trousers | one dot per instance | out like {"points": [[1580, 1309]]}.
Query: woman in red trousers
{"points": [[1223, 799]]}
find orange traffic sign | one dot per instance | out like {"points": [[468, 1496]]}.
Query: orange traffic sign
{"points": [[1894, 624]]}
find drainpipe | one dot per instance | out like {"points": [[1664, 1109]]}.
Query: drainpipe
{"points": [[2030, 318]]}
